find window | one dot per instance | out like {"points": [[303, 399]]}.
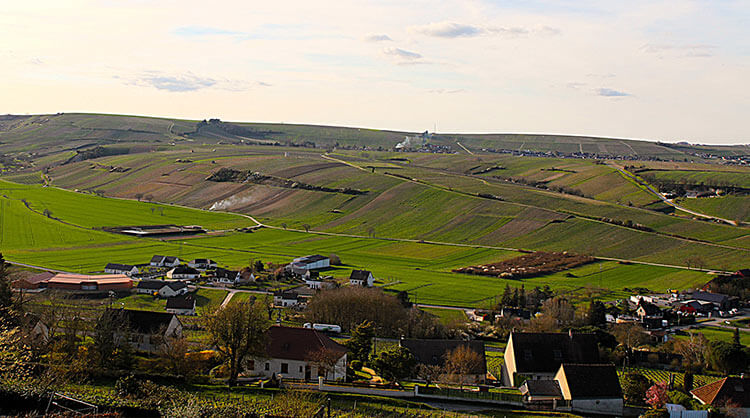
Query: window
{"points": [[300, 369], [268, 366], [284, 368]]}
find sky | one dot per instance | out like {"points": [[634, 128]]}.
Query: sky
{"points": [[650, 69]]}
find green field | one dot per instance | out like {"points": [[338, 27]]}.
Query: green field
{"points": [[728, 207]]}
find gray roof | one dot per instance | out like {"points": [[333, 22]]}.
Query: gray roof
{"points": [[360, 275], [710, 297], [181, 302], [545, 352], [151, 284], [117, 266], [541, 388]]}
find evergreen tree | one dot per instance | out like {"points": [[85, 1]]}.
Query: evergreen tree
{"points": [[514, 299], [736, 337], [507, 296], [360, 344], [522, 297]]}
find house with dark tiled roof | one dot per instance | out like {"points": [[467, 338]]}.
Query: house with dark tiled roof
{"points": [[163, 288], [164, 261], [286, 299], [591, 388], [542, 394], [362, 278], [203, 264], [538, 356], [224, 276], [116, 268], [181, 305], [434, 352], [730, 394], [296, 352], [146, 330], [183, 272]]}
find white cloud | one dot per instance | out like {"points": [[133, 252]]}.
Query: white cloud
{"points": [[401, 54], [459, 30], [692, 51], [377, 38]]}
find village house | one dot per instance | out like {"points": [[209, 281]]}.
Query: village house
{"points": [[315, 281], [224, 276], [538, 356], [202, 264], [183, 272], [34, 281], [730, 394], [296, 353], [361, 278], [181, 305], [164, 289], [81, 282], [126, 269], [433, 353], [591, 388], [286, 299], [304, 264], [648, 310], [164, 261], [147, 330]]}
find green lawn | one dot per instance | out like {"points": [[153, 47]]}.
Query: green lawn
{"points": [[447, 316], [721, 334]]}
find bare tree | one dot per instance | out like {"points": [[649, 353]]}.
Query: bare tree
{"points": [[139, 196], [629, 335], [693, 350], [461, 364], [174, 352], [307, 227], [238, 331], [325, 361], [429, 372]]}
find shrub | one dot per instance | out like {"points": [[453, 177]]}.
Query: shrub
{"points": [[356, 365]]}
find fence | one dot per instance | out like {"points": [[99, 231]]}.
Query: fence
{"points": [[457, 394]]}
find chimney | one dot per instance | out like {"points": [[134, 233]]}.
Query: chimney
{"points": [[570, 333]]}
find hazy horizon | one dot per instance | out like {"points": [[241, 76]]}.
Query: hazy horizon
{"points": [[665, 70]]}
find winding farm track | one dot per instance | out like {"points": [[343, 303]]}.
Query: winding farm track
{"points": [[627, 174]]}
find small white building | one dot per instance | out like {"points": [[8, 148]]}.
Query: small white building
{"points": [[320, 283], [304, 264], [299, 353], [362, 278]]}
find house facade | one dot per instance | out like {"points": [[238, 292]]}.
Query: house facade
{"points": [[591, 388], [538, 356], [183, 273], [297, 352], [285, 299], [147, 330], [362, 278], [730, 394]]}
